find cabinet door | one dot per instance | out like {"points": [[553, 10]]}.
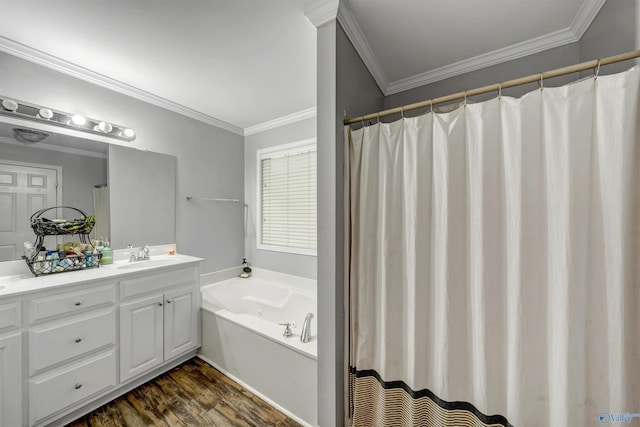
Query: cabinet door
{"points": [[11, 380], [181, 321], [140, 336]]}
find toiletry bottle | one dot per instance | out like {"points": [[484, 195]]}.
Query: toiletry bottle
{"points": [[246, 270], [107, 254], [96, 258], [88, 258]]}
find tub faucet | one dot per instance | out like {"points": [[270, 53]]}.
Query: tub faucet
{"points": [[305, 335], [287, 330]]}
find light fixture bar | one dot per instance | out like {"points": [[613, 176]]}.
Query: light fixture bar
{"points": [[37, 113]]}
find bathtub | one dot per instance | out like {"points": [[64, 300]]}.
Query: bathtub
{"points": [[241, 337]]}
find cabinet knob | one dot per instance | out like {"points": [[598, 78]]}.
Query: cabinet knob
{"points": [[168, 301], [78, 386], [78, 340], [160, 304], [78, 302]]}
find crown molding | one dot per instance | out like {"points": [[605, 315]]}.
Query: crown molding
{"points": [[281, 121], [585, 17], [572, 34], [322, 12], [52, 62], [519, 50], [354, 32], [44, 146]]}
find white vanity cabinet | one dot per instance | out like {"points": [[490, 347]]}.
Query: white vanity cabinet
{"points": [[68, 347], [71, 340], [10, 363], [10, 380], [158, 319]]}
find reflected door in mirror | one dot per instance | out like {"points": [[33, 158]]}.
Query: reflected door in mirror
{"points": [[24, 189]]}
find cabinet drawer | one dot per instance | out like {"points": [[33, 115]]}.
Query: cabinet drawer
{"points": [[58, 341], [154, 282], [57, 390], [10, 315], [70, 302]]}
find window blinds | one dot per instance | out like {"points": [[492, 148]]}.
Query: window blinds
{"points": [[288, 202]]}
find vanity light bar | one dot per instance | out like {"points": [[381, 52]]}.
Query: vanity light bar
{"points": [[25, 110]]}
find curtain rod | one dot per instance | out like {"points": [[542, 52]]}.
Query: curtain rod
{"points": [[594, 64], [213, 199]]}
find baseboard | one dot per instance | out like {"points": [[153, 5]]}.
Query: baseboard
{"points": [[256, 392]]}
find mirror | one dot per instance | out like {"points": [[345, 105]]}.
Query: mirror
{"points": [[64, 170]]}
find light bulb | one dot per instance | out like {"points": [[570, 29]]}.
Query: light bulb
{"points": [[45, 113], [9, 105], [105, 127], [78, 120], [129, 133]]}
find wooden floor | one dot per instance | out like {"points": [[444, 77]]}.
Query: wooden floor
{"points": [[192, 395]]}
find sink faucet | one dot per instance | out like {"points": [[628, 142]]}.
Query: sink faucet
{"points": [[305, 335], [142, 254]]}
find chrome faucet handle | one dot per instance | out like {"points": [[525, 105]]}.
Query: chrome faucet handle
{"points": [[287, 330], [145, 251]]}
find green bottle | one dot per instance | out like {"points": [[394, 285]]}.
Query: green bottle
{"points": [[107, 254]]}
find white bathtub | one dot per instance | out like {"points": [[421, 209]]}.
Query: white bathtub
{"points": [[241, 337]]}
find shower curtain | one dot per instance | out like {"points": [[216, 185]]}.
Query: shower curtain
{"points": [[494, 261], [101, 212]]}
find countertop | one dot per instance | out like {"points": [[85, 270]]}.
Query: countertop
{"points": [[19, 284]]}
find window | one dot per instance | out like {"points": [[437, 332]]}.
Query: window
{"points": [[287, 220]]}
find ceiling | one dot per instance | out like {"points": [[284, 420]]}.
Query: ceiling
{"points": [[240, 63], [409, 43]]}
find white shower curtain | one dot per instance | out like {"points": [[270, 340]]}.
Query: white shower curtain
{"points": [[101, 212], [494, 261]]}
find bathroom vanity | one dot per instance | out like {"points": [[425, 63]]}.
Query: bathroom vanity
{"points": [[71, 342]]}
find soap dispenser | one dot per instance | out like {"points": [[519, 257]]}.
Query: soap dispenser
{"points": [[246, 270], [107, 254]]}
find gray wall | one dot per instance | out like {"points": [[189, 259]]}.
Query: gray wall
{"points": [[79, 173], [209, 159], [543, 61], [344, 85], [299, 265], [613, 31]]}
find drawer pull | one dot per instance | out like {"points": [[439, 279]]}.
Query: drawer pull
{"points": [[78, 386], [168, 301], [78, 340], [78, 303], [160, 304]]}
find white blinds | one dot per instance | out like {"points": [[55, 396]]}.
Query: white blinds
{"points": [[288, 204]]}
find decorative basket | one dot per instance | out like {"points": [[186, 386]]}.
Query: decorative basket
{"points": [[57, 265], [59, 262], [54, 227]]}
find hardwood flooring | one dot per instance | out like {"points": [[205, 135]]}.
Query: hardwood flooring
{"points": [[192, 395]]}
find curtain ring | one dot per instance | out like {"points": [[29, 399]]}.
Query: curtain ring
{"points": [[402, 112], [362, 118], [541, 81], [378, 116], [431, 105], [465, 99], [597, 71], [499, 90]]}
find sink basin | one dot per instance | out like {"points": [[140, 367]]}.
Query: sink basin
{"points": [[150, 263], [13, 278]]}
